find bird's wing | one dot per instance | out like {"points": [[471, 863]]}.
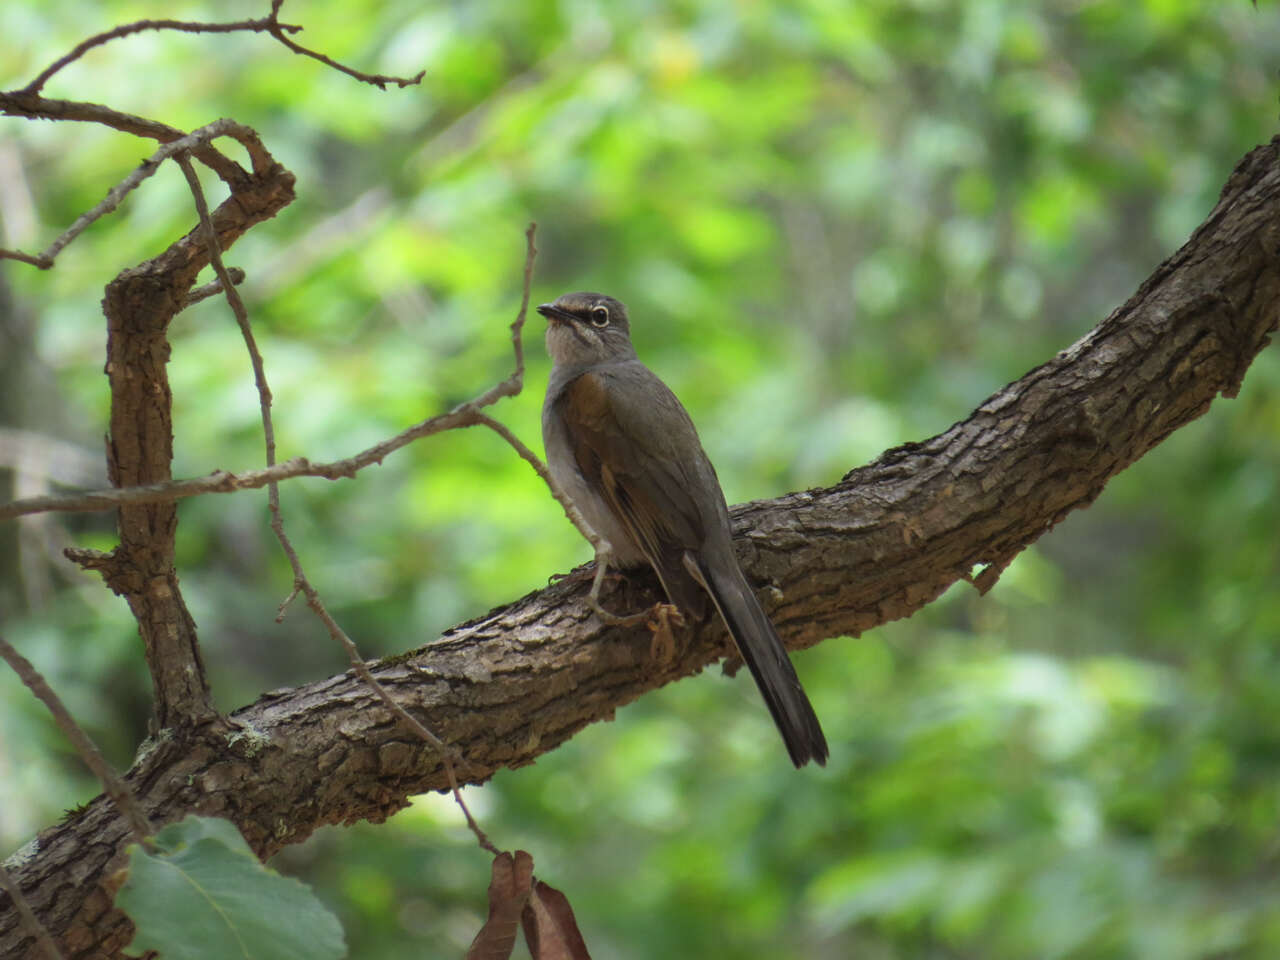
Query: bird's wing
{"points": [[635, 444]]}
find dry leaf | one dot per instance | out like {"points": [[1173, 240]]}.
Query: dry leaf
{"points": [[549, 926], [508, 896]]}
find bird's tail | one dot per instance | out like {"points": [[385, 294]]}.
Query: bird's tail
{"points": [[766, 658]]}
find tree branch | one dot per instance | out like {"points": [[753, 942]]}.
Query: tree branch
{"points": [[269, 24], [17, 103], [876, 546], [44, 943], [128, 29], [139, 305], [213, 287], [220, 481], [193, 141], [87, 749], [377, 79]]}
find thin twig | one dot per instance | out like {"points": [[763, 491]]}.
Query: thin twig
{"points": [[237, 304], [28, 917], [214, 287], [509, 388], [300, 581], [115, 788], [514, 383], [34, 260], [15, 103], [540, 468], [603, 549], [221, 481], [148, 167], [28, 102], [377, 79], [267, 24], [448, 753]]}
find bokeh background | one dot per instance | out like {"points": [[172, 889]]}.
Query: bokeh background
{"points": [[839, 227]]}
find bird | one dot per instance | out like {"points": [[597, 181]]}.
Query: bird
{"points": [[625, 452]]}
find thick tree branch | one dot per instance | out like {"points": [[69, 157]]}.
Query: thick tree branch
{"points": [[44, 942], [139, 304], [877, 546]]}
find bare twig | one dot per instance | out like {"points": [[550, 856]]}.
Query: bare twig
{"points": [[267, 24], [224, 482], [509, 388], [89, 753], [35, 261], [214, 287], [540, 468], [465, 415], [28, 102], [18, 104], [197, 138], [448, 753], [378, 80], [221, 481], [515, 383], [603, 549], [217, 482], [28, 917], [237, 304], [300, 581]]}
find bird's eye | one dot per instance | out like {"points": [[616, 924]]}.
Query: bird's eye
{"points": [[600, 316]]}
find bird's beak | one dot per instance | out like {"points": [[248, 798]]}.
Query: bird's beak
{"points": [[553, 313]]}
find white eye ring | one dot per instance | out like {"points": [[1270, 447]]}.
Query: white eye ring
{"points": [[600, 316]]}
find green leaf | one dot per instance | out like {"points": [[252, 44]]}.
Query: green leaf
{"points": [[205, 896]]}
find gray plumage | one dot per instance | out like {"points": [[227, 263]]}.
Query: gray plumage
{"points": [[624, 450]]}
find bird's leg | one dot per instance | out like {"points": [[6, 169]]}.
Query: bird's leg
{"points": [[604, 554], [659, 617]]}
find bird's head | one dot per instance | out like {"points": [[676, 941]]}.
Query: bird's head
{"points": [[587, 328]]}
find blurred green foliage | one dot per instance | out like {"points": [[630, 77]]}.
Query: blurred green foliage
{"points": [[839, 227]]}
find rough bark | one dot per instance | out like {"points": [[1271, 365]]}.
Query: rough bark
{"points": [[139, 304], [877, 546]]}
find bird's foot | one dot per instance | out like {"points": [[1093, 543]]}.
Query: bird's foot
{"points": [[612, 619], [662, 619]]}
